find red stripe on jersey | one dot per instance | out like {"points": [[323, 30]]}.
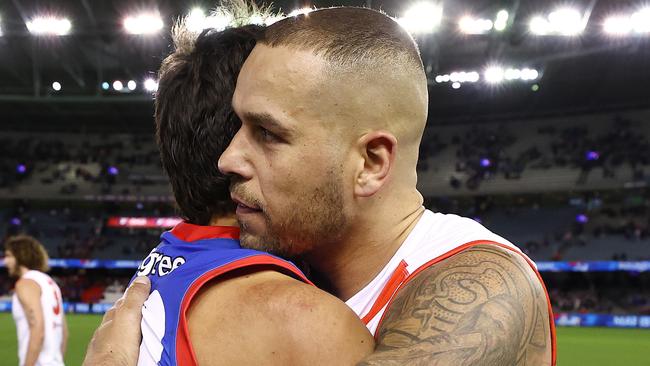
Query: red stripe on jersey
{"points": [[389, 290], [184, 353], [387, 299], [190, 232]]}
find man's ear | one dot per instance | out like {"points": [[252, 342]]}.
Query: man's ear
{"points": [[378, 150]]}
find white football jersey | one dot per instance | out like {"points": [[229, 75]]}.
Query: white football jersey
{"points": [[435, 237], [53, 321]]}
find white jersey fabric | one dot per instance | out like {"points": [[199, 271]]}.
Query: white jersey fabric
{"points": [[52, 319], [434, 236]]}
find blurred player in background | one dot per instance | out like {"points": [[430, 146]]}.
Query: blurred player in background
{"points": [[36, 306]]}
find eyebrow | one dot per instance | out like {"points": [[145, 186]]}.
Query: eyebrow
{"points": [[267, 121]]}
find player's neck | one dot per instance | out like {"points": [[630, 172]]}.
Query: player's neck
{"points": [[22, 270], [226, 220], [352, 264]]}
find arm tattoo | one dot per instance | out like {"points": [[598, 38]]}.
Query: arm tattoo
{"points": [[483, 306]]}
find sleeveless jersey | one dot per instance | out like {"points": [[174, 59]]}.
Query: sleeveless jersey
{"points": [[52, 321], [435, 237], [188, 257]]}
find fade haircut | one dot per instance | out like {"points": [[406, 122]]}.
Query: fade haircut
{"points": [[347, 37], [29, 252], [193, 114]]}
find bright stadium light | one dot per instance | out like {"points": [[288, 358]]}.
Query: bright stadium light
{"points": [[143, 24], [131, 85], [455, 85], [473, 77], [501, 21], [512, 74], [641, 21], [618, 25], [195, 20], [469, 25], [56, 86], [151, 85], [117, 85], [423, 17], [105, 85], [529, 74], [564, 22], [494, 74], [1, 27], [49, 26], [302, 11]]}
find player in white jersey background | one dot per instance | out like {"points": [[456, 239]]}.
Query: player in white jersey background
{"points": [[37, 308]]}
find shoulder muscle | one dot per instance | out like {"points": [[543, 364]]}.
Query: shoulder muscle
{"points": [[483, 306]]}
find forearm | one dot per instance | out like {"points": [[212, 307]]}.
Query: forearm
{"points": [[34, 346]]}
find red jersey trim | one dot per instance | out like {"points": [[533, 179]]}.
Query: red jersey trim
{"points": [[184, 353], [387, 293], [387, 301], [190, 232]]}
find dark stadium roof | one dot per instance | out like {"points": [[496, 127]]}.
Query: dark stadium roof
{"points": [[589, 72]]}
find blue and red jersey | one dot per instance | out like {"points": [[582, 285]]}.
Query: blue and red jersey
{"points": [[187, 258]]}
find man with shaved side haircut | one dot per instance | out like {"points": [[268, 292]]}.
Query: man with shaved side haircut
{"points": [[333, 105]]}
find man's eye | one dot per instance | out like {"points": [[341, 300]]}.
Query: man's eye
{"points": [[267, 135]]}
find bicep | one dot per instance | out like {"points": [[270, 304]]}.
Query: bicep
{"points": [[484, 306], [29, 295]]}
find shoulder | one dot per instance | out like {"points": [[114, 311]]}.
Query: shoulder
{"points": [[484, 296], [269, 295], [273, 314], [28, 292], [27, 285]]}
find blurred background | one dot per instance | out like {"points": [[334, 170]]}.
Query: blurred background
{"points": [[539, 128]]}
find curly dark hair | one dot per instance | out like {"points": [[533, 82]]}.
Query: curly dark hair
{"points": [[194, 118], [29, 252]]}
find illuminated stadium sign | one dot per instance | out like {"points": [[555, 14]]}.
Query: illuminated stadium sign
{"points": [[143, 222]]}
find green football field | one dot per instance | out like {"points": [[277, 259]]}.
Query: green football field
{"points": [[576, 346]]}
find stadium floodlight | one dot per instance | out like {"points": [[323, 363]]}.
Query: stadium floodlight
{"points": [[49, 26], [494, 74], [439, 79], [617, 26], [151, 85], [529, 74], [641, 21], [302, 11], [131, 85], [105, 85], [501, 22], [455, 85], [469, 25], [423, 17], [564, 22], [512, 74], [143, 24], [56, 86], [117, 85], [197, 21], [473, 77]]}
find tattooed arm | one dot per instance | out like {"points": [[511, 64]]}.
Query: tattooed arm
{"points": [[483, 306], [29, 295]]}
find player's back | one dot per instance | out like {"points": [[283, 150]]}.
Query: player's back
{"points": [[52, 321], [188, 257]]}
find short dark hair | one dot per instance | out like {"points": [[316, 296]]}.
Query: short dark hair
{"points": [[194, 118], [29, 252], [346, 36]]}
